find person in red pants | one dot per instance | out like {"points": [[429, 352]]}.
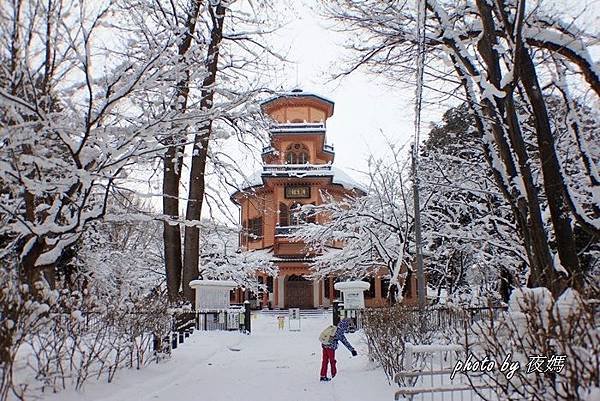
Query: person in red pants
{"points": [[329, 349]]}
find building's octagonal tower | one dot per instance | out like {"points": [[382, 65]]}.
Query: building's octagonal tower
{"points": [[297, 167]]}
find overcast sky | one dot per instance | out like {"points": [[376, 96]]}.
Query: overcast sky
{"points": [[366, 111]]}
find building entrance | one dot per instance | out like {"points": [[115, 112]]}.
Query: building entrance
{"points": [[298, 292]]}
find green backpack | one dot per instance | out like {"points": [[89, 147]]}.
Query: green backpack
{"points": [[327, 335]]}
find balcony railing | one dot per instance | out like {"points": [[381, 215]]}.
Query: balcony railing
{"points": [[288, 168], [298, 127], [286, 231]]}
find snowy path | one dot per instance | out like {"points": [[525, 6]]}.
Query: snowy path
{"points": [[268, 365]]}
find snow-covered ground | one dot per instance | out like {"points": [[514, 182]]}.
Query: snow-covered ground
{"points": [[270, 364]]}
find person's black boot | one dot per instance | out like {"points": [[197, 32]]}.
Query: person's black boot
{"points": [[325, 379]]}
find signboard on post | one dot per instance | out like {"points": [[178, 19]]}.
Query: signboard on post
{"points": [[354, 300], [212, 295], [233, 319], [294, 319], [353, 293]]}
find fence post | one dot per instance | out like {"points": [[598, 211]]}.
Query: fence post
{"points": [[336, 311], [173, 333], [247, 317], [173, 339], [408, 356]]}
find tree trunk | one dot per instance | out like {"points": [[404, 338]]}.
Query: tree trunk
{"points": [[531, 224], [191, 248], [172, 163], [553, 183], [171, 232]]}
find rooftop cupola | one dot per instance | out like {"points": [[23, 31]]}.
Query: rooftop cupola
{"points": [[298, 107]]}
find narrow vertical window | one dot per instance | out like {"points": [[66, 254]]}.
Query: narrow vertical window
{"points": [[284, 215]]}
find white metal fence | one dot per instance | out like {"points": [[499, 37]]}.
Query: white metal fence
{"points": [[428, 372]]}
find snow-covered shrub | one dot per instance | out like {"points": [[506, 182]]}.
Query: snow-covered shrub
{"points": [[542, 334], [53, 339], [388, 330], [22, 311]]}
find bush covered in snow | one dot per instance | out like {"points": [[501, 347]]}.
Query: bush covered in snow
{"points": [[52, 339], [542, 333], [388, 330]]}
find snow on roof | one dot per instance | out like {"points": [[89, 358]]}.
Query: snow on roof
{"points": [[254, 180], [297, 93], [339, 176], [301, 129]]}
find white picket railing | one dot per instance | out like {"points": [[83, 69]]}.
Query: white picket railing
{"points": [[428, 372]]}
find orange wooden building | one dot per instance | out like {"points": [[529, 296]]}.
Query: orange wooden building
{"points": [[297, 166]]}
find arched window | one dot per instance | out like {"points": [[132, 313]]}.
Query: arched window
{"points": [[297, 153]]}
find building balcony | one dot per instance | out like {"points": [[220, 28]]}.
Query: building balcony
{"points": [[274, 169], [297, 128], [286, 231], [286, 246]]}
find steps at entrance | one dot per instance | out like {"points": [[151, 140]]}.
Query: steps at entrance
{"points": [[303, 312]]}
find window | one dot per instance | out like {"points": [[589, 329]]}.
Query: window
{"points": [[293, 216], [269, 283], [326, 284], [254, 229], [296, 215], [284, 215], [407, 291], [370, 293], [297, 153], [385, 287], [261, 281]]}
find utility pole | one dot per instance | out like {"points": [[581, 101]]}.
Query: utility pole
{"points": [[421, 9], [418, 244]]}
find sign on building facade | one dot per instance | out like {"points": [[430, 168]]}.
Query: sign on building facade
{"points": [[297, 192]]}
